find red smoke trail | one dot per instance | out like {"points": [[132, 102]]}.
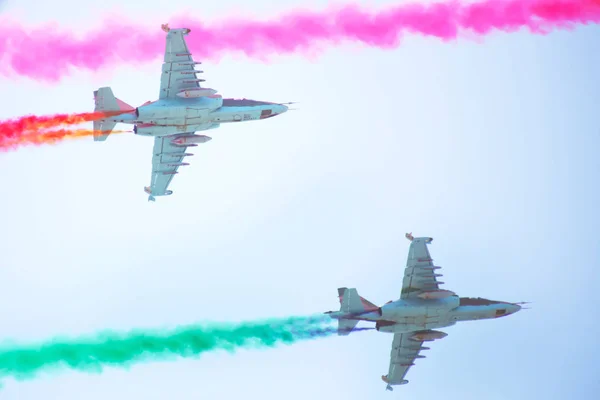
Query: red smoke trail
{"points": [[44, 53], [33, 129], [31, 122], [47, 137]]}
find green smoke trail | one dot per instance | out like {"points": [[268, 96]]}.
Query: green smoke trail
{"points": [[91, 354]]}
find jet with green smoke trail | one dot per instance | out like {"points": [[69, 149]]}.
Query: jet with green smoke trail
{"points": [[422, 307]]}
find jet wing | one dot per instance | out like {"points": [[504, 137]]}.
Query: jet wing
{"points": [[405, 350], [166, 160], [420, 278], [178, 69]]}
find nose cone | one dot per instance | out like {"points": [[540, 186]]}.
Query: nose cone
{"points": [[505, 309], [279, 109], [513, 308]]}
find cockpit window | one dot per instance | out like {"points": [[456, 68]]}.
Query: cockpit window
{"points": [[243, 103], [500, 312], [472, 301]]}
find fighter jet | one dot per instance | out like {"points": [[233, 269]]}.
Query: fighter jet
{"points": [[422, 307], [183, 108]]}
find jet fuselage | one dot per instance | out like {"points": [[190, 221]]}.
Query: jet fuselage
{"points": [[411, 315], [172, 116]]}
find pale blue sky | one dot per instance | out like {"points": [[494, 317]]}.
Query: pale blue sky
{"points": [[488, 147]]}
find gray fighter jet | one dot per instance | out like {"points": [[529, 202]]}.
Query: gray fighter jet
{"points": [[183, 108], [422, 307]]}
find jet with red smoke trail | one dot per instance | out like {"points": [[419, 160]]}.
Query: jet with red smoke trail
{"points": [[183, 108], [422, 307]]}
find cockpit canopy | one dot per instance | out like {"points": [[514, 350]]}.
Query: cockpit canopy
{"points": [[477, 301]]}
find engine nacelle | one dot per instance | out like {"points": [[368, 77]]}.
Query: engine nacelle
{"points": [[170, 115], [213, 102], [428, 336], [386, 326]]}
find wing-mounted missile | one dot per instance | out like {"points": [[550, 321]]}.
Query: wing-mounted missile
{"points": [[432, 268], [174, 154], [192, 139], [428, 275], [180, 164], [436, 294], [196, 92], [428, 336], [186, 80]]}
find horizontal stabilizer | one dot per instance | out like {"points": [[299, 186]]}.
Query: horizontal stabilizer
{"points": [[345, 326], [102, 129], [105, 100], [352, 307]]}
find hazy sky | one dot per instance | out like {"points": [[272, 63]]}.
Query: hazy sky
{"points": [[489, 147]]}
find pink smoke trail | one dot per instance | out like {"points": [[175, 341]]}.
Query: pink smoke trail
{"points": [[45, 53]]}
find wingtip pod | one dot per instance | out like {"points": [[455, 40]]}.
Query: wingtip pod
{"points": [[165, 27], [389, 385], [410, 237], [151, 197]]}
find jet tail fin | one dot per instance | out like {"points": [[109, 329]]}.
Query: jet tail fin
{"points": [[105, 100], [352, 307]]}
